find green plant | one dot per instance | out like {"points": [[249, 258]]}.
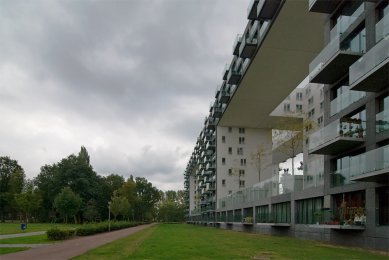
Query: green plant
{"points": [[59, 234]]}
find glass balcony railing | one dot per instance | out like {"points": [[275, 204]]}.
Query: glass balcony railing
{"points": [[370, 161], [344, 22], [235, 47], [382, 28], [251, 9], [277, 185], [314, 174], [352, 128], [355, 166], [344, 100], [374, 58], [382, 121]]}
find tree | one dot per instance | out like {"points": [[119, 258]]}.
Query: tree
{"points": [[28, 202], [67, 203], [146, 198], [172, 206], [119, 206], [11, 182]]}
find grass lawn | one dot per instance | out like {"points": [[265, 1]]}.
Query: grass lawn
{"points": [[39, 239], [180, 241], [14, 228], [11, 250]]}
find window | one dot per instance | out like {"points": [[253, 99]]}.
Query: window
{"points": [[241, 173], [299, 96], [223, 161], [241, 140], [309, 211], [286, 107], [321, 106], [321, 92], [229, 150], [230, 129], [230, 192], [241, 183], [383, 205], [243, 162], [241, 130], [229, 171], [310, 101], [320, 121], [311, 113], [281, 212], [223, 182], [308, 91], [223, 139], [299, 108], [382, 123], [240, 150]]}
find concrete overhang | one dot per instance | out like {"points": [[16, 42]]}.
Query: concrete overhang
{"points": [[279, 65]]}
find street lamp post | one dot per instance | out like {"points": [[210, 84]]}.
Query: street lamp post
{"points": [[109, 216]]}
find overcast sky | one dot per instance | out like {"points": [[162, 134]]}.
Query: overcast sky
{"points": [[129, 80]]}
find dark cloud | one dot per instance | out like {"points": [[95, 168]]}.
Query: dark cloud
{"points": [[115, 76]]}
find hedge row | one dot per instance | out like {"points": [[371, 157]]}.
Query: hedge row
{"points": [[60, 234], [88, 229]]}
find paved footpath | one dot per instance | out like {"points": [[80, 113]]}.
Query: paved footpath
{"points": [[28, 234], [73, 247]]}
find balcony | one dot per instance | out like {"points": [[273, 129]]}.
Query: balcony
{"points": [[382, 121], [234, 73], [217, 111], [235, 47], [210, 167], [211, 122], [334, 61], [323, 6], [314, 174], [249, 42], [224, 96], [370, 73], [344, 100], [252, 10], [225, 71], [266, 9], [338, 136], [210, 145], [371, 166]]}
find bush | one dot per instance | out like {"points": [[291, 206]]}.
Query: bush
{"points": [[58, 234], [90, 229]]}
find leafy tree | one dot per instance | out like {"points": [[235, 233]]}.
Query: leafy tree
{"points": [[172, 207], [11, 182], [67, 203], [76, 173], [119, 206], [28, 202], [91, 213], [128, 190], [147, 197]]}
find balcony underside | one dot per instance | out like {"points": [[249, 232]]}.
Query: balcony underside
{"points": [[323, 6], [217, 113], [233, 78], [374, 80], [281, 62], [337, 146], [268, 9], [252, 13], [335, 68], [381, 176], [248, 50], [224, 98]]}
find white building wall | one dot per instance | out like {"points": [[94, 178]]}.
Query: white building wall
{"points": [[230, 177]]}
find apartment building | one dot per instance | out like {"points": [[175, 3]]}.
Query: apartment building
{"points": [[326, 180]]}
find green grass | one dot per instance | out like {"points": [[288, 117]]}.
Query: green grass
{"points": [[194, 242], [9, 250], [39, 239], [14, 228]]}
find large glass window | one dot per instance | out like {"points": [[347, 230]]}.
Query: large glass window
{"points": [[382, 117], [310, 211], [349, 208], [262, 214], [382, 212], [281, 212]]}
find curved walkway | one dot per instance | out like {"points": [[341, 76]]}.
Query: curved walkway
{"points": [[22, 234], [73, 247]]}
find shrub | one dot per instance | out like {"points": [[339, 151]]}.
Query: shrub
{"points": [[90, 229], [58, 234]]}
